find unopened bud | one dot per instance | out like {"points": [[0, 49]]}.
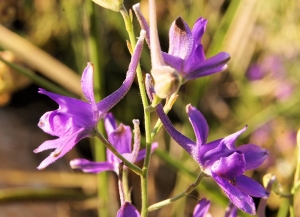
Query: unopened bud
{"points": [[166, 81], [115, 5]]}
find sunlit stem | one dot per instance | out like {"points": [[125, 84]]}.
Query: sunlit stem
{"points": [[108, 145], [144, 174], [120, 183], [179, 196]]}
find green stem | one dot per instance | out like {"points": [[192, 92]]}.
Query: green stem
{"points": [[144, 175], [107, 144], [94, 55], [179, 196]]}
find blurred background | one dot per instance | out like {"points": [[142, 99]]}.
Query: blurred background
{"points": [[259, 89]]}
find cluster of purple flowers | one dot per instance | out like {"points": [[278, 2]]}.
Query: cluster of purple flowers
{"points": [[220, 159]]}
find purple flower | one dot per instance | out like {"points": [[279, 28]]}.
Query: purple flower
{"points": [[120, 137], [128, 210], [221, 159], [202, 207], [76, 119], [185, 53]]}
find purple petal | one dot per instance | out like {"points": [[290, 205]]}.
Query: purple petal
{"points": [[90, 166], [110, 101], [243, 201], [213, 151], [68, 107], [201, 208], [229, 141], [181, 39], [87, 83], [62, 145], [110, 123], [231, 166], [199, 124], [196, 59], [254, 155], [141, 154], [199, 29], [121, 139], [210, 66], [128, 210], [173, 61], [250, 187], [142, 21], [231, 211], [186, 143]]}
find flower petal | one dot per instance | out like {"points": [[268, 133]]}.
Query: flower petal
{"points": [[199, 29], [108, 102], [110, 123], [87, 83], [181, 39], [121, 139], [213, 151], [199, 124], [70, 107], [128, 210], [243, 201], [210, 66], [229, 141], [173, 61], [201, 208], [142, 21], [90, 166], [62, 145], [186, 143], [231, 166], [250, 187], [254, 155]]}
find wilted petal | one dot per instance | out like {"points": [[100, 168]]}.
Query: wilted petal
{"points": [[250, 186], [108, 102], [201, 208], [231, 166], [90, 166], [243, 201], [128, 210], [254, 155], [210, 66], [181, 39], [199, 124]]}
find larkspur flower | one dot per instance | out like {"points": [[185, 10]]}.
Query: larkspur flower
{"points": [[221, 159], [186, 54], [202, 207], [76, 119], [120, 137], [128, 210]]}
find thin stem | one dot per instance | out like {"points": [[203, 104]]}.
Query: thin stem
{"points": [[144, 174], [297, 172], [120, 183], [107, 144], [94, 55], [179, 196]]}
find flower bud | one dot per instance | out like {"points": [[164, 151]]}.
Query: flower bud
{"points": [[115, 5], [166, 81]]}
